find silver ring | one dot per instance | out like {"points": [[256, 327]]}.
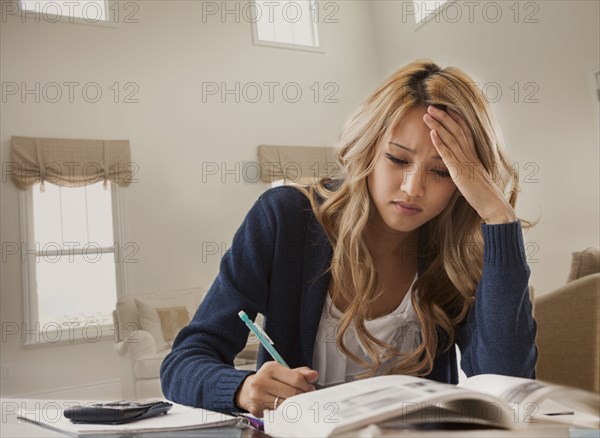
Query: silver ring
{"points": [[275, 403]]}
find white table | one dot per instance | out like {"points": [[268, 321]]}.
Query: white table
{"points": [[10, 427]]}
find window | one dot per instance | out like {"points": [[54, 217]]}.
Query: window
{"points": [[424, 10], [73, 270], [87, 11], [287, 24]]}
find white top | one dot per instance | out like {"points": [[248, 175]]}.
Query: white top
{"points": [[400, 328]]}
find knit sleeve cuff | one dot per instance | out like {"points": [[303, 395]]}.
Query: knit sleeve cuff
{"points": [[226, 388], [503, 244]]}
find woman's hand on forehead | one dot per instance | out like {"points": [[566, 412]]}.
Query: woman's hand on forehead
{"points": [[453, 139]]}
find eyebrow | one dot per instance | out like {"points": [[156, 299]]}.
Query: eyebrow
{"points": [[412, 151]]}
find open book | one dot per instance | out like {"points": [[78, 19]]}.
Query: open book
{"points": [[399, 402]]}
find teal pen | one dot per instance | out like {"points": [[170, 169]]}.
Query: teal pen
{"points": [[262, 337]]}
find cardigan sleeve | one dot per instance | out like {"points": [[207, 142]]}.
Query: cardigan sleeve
{"points": [[499, 334], [199, 369]]}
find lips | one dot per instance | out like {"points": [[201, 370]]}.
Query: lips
{"points": [[406, 209], [408, 206]]}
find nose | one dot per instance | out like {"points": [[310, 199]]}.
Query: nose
{"points": [[413, 183]]}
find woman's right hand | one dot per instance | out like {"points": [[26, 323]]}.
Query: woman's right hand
{"points": [[271, 385]]}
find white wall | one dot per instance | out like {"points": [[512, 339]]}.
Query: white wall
{"points": [[172, 211], [558, 134]]}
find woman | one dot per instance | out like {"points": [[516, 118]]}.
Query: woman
{"points": [[417, 248]]}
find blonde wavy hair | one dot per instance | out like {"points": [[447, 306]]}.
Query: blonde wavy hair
{"points": [[453, 244]]}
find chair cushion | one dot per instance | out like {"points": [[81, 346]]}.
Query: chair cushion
{"points": [[164, 317], [584, 263], [148, 366], [126, 314]]}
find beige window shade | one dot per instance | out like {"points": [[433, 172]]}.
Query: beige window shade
{"points": [[70, 162], [299, 164]]}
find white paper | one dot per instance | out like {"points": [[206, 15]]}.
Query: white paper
{"points": [[50, 415]]}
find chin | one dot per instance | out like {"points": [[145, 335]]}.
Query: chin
{"points": [[403, 227]]}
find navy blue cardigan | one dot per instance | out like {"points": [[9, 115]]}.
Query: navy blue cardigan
{"points": [[276, 266]]}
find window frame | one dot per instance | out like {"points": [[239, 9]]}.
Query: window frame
{"points": [[28, 273], [278, 45], [110, 22], [429, 17]]}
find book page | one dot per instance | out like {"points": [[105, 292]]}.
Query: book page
{"points": [[354, 404], [530, 400], [510, 389], [551, 411]]}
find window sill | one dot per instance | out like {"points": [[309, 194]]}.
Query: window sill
{"points": [[288, 46]]}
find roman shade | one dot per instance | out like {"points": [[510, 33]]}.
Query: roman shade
{"points": [[298, 164], [69, 162]]}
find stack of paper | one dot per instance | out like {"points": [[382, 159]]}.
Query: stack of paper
{"points": [[178, 418]]}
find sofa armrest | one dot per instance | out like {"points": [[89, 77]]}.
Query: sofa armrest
{"points": [[136, 344]]}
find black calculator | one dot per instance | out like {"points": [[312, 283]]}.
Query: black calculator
{"points": [[119, 412]]}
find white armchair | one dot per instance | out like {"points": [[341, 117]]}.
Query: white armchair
{"points": [[145, 326]]}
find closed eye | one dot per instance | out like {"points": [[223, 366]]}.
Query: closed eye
{"points": [[442, 173], [396, 160], [400, 162]]}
